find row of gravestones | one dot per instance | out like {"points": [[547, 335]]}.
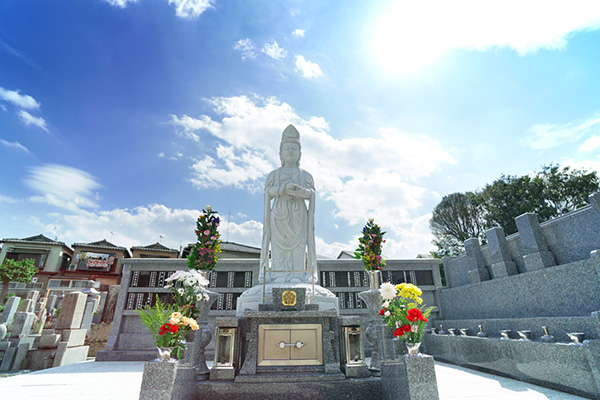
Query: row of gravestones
{"points": [[47, 333]]}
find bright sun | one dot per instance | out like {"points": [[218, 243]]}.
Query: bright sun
{"points": [[403, 40]]}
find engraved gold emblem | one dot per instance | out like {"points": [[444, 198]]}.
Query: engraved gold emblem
{"points": [[288, 298]]}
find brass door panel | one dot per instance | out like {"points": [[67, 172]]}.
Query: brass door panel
{"points": [[290, 344]]}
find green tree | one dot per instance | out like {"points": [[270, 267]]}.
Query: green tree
{"points": [[458, 217], [16, 271], [550, 193]]}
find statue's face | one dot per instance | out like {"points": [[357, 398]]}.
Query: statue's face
{"points": [[290, 153]]}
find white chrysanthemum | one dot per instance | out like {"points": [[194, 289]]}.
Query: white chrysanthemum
{"points": [[199, 297], [388, 291], [180, 291], [206, 296], [387, 313]]}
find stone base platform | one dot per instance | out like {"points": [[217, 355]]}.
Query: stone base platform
{"points": [[288, 377], [274, 387]]}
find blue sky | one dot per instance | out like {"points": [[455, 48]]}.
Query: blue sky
{"points": [[121, 119]]}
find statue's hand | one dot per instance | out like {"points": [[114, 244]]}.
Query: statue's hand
{"points": [[294, 190]]}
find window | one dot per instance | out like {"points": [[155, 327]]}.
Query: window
{"points": [[38, 257]]}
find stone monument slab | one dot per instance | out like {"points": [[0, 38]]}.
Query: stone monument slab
{"points": [[10, 308], [71, 311], [23, 323]]}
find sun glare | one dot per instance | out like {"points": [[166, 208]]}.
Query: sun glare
{"points": [[402, 41]]}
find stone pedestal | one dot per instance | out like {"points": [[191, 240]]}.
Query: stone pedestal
{"points": [[168, 381], [409, 378], [252, 298]]}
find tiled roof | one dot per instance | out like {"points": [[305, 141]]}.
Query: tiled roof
{"points": [[231, 246], [155, 247], [39, 239], [101, 244]]}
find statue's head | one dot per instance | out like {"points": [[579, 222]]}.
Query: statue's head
{"points": [[290, 145]]}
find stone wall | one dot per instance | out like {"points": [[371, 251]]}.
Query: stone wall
{"points": [[143, 279], [536, 246], [527, 306]]}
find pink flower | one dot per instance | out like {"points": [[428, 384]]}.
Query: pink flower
{"points": [[206, 232]]}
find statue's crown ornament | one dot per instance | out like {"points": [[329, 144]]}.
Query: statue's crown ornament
{"points": [[290, 135]]}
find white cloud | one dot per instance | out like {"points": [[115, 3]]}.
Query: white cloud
{"points": [[120, 3], [8, 199], [15, 145], [62, 186], [408, 35], [246, 47], [29, 119], [191, 8], [590, 144], [19, 100], [183, 8], [546, 136], [274, 51], [592, 164], [372, 175], [308, 69], [161, 155], [141, 226], [298, 32]]}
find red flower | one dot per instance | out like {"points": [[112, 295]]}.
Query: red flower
{"points": [[402, 330], [414, 314], [164, 329], [173, 328], [382, 311]]}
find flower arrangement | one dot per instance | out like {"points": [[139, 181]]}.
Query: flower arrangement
{"points": [[187, 288], [401, 311], [167, 325], [369, 247], [203, 255]]}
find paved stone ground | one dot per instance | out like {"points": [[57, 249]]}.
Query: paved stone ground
{"points": [[122, 380]]}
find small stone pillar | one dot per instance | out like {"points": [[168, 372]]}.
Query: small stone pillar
{"points": [[409, 378], [168, 381], [502, 264], [474, 257], [536, 254], [373, 334]]}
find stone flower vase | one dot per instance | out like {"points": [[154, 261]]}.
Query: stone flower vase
{"points": [[374, 279], [201, 338], [412, 349], [164, 354]]}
